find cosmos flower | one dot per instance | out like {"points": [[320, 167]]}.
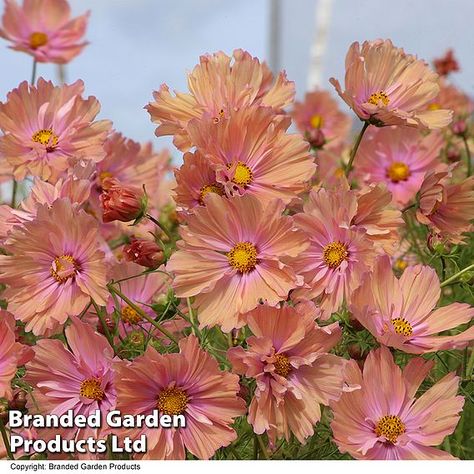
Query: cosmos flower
{"points": [[218, 85], [288, 358], [53, 267], [12, 354], [48, 128], [187, 383], [447, 208], [384, 420], [401, 313], [44, 29], [231, 257], [386, 86], [451, 97], [338, 255], [319, 112], [398, 157], [79, 377], [252, 154]]}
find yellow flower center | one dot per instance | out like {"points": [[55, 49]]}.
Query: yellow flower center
{"points": [[46, 137], [243, 257], [129, 315], [243, 174], [398, 171], [215, 188], [334, 254], [379, 99], [400, 264], [434, 106], [172, 401], [38, 39], [63, 267], [316, 121], [104, 175], [339, 173], [402, 326], [90, 388], [390, 426], [282, 365]]}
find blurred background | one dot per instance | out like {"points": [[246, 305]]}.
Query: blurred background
{"points": [[136, 45]]}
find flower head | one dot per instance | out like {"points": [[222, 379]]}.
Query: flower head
{"points": [[53, 267], [385, 85], [401, 312], [384, 420], [121, 202], [188, 383], [288, 357], [232, 257], [218, 85], [143, 252], [48, 128], [44, 29]]}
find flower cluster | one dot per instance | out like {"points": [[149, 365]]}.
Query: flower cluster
{"points": [[284, 288]]}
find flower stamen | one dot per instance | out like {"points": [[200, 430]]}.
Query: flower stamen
{"points": [[38, 39], [398, 171], [243, 175], [172, 401], [379, 99], [391, 427], [47, 138], [282, 365], [90, 388], [129, 315], [63, 268], [243, 257], [402, 326], [334, 254], [316, 121], [215, 188]]}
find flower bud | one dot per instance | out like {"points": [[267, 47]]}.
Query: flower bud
{"points": [[18, 402], [453, 155], [122, 203], [316, 138], [459, 128], [144, 252]]}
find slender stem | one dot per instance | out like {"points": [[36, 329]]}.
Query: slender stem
{"points": [[263, 449], [14, 192], [468, 156], [410, 206], [142, 313], [33, 72], [6, 441], [470, 366], [104, 324], [162, 227], [191, 316], [457, 275], [355, 148]]}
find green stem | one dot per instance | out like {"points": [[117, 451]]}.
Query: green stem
{"points": [[162, 227], [14, 192], [33, 72], [263, 449], [142, 313], [411, 206], [104, 324], [355, 148], [468, 156], [6, 441], [470, 366], [457, 275]]}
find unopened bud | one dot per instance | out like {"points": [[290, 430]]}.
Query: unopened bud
{"points": [[144, 252], [122, 203]]}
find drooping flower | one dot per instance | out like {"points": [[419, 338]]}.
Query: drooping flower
{"points": [[218, 85], [12, 354], [187, 383], [384, 420], [44, 29], [386, 86], [401, 313], [338, 255], [288, 358], [142, 290], [231, 257], [53, 267], [79, 378], [252, 153], [446, 208], [48, 128], [121, 202], [319, 112], [398, 157], [143, 252]]}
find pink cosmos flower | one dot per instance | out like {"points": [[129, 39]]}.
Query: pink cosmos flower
{"points": [[398, 157], [44, 29], [195, 179], [231, 257], [450, 97], [251, 153], [384, 420], [218, 85], [288, 357], [337, 257], [142, 290], [53, 267], [446, 208], [386, 86], [79, 378], [48, 128], [319, 112], [330, 167], [12, 354], [188, 383], [400, 312]]}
